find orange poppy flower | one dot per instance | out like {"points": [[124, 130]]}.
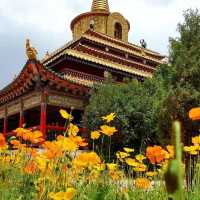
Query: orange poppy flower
{"points": [[2, 141], [17, 144], [19, 132], [142, 183], [86, 160], [194, 113], [155, 154], [36, 137], [52, 150], [79, 141], [30, 168]]}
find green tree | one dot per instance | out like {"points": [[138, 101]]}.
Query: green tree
{"points": [[132, 105], [181, 77]]}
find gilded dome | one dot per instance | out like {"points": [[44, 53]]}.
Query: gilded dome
{"points": [[101, 20]]}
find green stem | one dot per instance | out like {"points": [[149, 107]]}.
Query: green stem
{"points": [[180, 193], [102, 139], [109, 148], [93, 145]]}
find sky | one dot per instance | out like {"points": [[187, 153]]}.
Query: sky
{"points": [[47, 24]]}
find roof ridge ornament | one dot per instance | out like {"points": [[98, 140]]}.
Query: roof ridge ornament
{"points": [[100, 5], [31, 52]]}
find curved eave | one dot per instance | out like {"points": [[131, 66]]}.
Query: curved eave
{"points": [[58, 51], [18, 79], [32, 71]]}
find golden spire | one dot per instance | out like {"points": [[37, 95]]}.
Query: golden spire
{"points": [[100, 5]]}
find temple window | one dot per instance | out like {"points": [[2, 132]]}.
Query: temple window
{"points": [[118, 31]]}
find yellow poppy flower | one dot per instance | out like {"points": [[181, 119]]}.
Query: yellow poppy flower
{"points": [[123, 154], [109, 118], [116, 175], [108, 130], [151, 174], [171, 151], [41, 162], [196, 140], [191, 149], [128, 150], [67, 144], [100, 167], [140, 168], [193, 153], [140, 157], [68, 195], [142, 183], [86, 160], [119, 157], [65, 114], [73, 130], [95, 135], [111, 166], [132, 162]]}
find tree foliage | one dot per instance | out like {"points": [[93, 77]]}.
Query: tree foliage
{"points": [[133, 109], [182, 77]]}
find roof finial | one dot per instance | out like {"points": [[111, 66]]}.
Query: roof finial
{"points": [[46, 55], [31, 52], [100, 5]]}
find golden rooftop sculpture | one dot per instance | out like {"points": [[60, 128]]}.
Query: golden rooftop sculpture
{"points": [[46, 55], [31, 52], [100, 5]]}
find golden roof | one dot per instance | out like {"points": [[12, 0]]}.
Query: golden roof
{"points": [[107, 63], [100, 5], [141, 52]]}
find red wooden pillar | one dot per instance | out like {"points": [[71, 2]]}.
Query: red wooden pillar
{"points": [[21, 117], [5, 124], [43, 114]]}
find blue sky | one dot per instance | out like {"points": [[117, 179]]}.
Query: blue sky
{"points": [[47, 24]]}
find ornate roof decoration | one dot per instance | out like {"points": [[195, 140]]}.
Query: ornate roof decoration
{"points": [[31, 52], [132, 46], [100, 5], [57, 51], [46, 55], [128, 49], [85, 82], [107, 63]]}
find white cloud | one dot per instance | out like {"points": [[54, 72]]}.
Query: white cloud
{"points": [[47, 24]]}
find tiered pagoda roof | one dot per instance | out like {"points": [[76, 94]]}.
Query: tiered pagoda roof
{"points": [[110, 53]]}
